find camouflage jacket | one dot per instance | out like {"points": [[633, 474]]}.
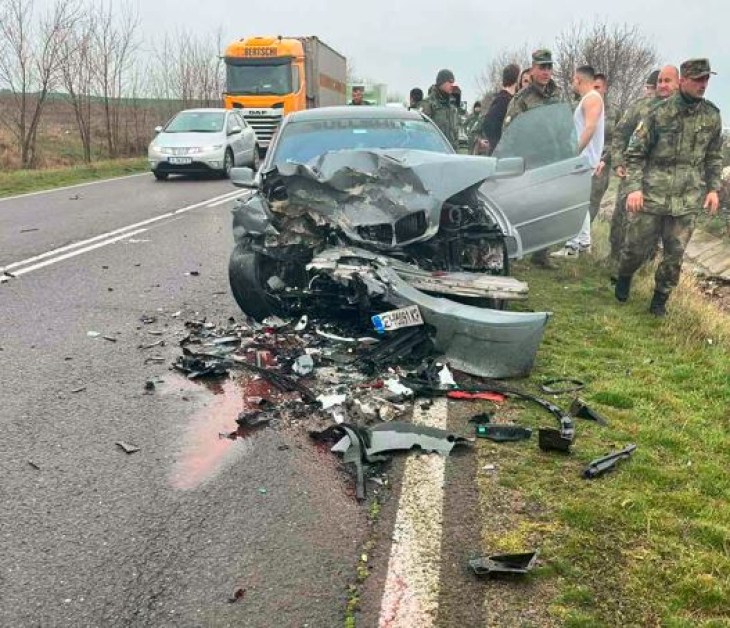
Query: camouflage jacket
{"points": [[610, 121], [625, 128], [675, 156], [531, 97], [445, 115]]}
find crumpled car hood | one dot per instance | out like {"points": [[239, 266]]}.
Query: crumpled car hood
{"points": [[355, 188]]}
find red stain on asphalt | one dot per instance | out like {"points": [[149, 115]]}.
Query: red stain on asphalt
{"points": [[208, 440]]}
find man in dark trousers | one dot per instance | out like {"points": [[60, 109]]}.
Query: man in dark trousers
{"points": [[493, 121]]}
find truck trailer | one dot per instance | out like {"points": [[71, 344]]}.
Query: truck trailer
{"points": [[268, 77]]}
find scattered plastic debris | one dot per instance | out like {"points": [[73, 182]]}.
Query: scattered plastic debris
{"points": [[303, 365], [607, 463], [514, 564], [127, 448], [93, 334]]}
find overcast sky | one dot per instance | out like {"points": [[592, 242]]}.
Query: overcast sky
{"points": [[404, 43]]}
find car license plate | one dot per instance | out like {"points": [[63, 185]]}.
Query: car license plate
{"points": [[395, 319], [181, 160]]}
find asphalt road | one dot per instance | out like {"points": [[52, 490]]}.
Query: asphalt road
{"points": [[166, 536], [91, 536]]}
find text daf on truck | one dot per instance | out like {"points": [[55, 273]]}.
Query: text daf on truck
{"points": [[268, 77]]}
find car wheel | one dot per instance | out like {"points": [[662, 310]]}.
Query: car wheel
{"points": [[227, 164], [256, 158], [160, 176], [248, 273]]}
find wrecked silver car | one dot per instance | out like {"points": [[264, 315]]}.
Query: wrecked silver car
{"points": [[365, 210]]}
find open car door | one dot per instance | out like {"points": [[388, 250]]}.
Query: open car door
{"points": [[546, 205]]}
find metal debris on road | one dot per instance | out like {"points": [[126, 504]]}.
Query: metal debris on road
{"points": [[78, 390], [127, 448], [498, 564]]}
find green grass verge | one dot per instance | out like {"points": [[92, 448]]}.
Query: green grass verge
{"points": [[23, 181], [648, 545]]}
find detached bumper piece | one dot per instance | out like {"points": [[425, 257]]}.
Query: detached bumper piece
{"points": [[499, 564]]}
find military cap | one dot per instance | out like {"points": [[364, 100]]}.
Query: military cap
{"points": [[652, 79], [443, 76], [542, 55], [695, 68]]}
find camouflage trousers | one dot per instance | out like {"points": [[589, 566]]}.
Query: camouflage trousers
{"points": [[618, 222], [599, 185], [642, 232]]}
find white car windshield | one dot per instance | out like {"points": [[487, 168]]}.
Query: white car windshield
{"points": [[302, 141], [197, 122]]}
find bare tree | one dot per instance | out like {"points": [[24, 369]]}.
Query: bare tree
{"points": [[115, 44], [489, 80], [77, 76], [31, 55], [621, 52]]}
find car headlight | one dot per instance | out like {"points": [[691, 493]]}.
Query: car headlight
{"points": [[162, 150]]}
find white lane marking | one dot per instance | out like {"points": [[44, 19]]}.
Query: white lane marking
{"points": [[70, 187], [411, 590], [225, 200], [110, 234], [86, 249]]}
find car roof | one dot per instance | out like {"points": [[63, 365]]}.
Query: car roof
{"points": [[364, 111], [205, 110]]}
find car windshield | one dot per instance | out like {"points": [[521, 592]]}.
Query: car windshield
{"points": [[540, 136], [259, 78], [302, 141], [197, 122]]}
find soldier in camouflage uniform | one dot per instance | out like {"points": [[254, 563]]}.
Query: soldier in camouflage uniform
{"points": [[440, 109], [542, 90], [674, 168], [667, 80]]}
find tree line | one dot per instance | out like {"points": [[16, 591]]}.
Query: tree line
{"points": [[91, 55]]}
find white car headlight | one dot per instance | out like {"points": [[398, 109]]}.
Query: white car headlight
{"points": [[163, 150]]}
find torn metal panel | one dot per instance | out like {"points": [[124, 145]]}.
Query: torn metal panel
{"points": [[402, 436]]}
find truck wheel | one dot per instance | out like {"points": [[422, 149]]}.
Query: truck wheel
{"points": [[160, 176], [248, 273]]}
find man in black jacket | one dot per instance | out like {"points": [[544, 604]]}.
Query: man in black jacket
{"points": [[492, 126]]}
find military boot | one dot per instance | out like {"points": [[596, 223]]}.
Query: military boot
{"points": [[658, 306], [623, 287]]}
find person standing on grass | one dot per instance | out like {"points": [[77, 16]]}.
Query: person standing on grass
{"points": [[589, 125], [673, 169], [493, 121], [666, 84]]}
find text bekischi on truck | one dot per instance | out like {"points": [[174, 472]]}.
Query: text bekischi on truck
{"points": [[269, 77]]}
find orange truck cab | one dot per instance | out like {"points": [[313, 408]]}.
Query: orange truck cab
{"points": [[268, 77]]}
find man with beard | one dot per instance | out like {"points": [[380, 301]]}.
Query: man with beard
{"points": [[673, 169]]}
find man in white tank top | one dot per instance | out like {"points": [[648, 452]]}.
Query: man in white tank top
{"points": [[589, 126]]}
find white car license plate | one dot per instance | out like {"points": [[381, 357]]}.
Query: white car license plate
{"points": [[181, 160], [395, 319]]}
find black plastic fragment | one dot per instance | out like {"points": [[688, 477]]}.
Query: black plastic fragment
{"points": [[607, 463], [503, 433], [553, 387], [517, 564], [580, 409]]}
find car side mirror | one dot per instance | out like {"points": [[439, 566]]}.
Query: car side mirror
{"points": [[235, 130], [244, 178], [509, 167], [158, 129]]}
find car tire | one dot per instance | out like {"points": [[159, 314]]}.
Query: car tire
{"points": [[160, 176], [247, 275], [256, 163], [228, 164]]}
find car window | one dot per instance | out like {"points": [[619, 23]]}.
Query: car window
{"points": [[232, 123], [302, 141], [540, 136], [196, 122], [240, 120]]}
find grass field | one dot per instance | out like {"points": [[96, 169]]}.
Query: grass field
{"points": [[648, 545], [23, 181]]}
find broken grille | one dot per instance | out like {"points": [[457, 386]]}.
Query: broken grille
{"points": [[410, 227]]}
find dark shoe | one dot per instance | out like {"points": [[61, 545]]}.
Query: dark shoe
{"points": [[623, 287], [541, 259], [658, 306]]}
